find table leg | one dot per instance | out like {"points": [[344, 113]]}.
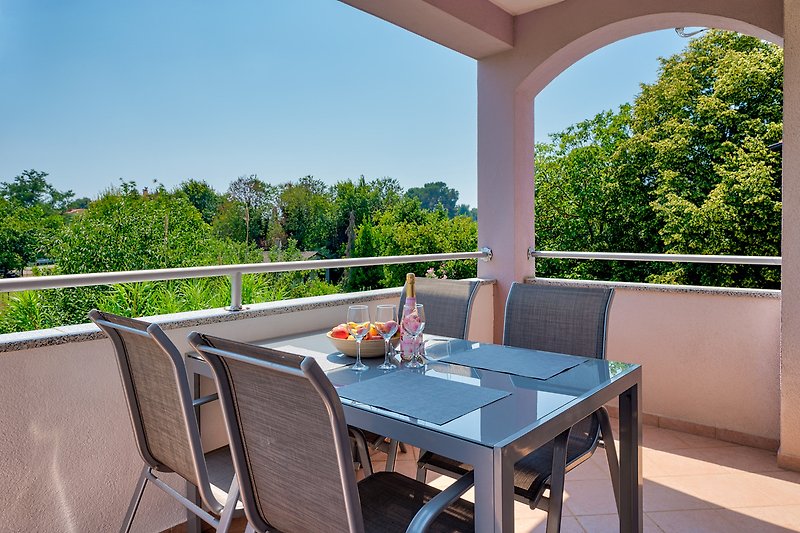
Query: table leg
{"points": [[494, 493], [630, 464], [557, 482]]}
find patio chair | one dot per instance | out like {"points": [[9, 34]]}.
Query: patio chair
{"points": [[164, 422], [298, 476], [448, 305], [570, 320]]}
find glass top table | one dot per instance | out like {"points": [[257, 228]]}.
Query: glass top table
{"points": [[493, 437]]}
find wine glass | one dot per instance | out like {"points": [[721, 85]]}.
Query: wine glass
{"points": [[386, 324], [358, 327], [413, 324]]}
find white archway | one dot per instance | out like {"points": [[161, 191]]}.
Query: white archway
{"points": [[547, 41]]}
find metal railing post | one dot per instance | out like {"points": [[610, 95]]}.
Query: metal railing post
{"points": [[236, 292]]}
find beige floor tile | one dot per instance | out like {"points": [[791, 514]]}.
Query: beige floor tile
{"points": [[741, 489], [696, 521], [589, 497], [696, 441], [569, 524], [609, 523], [657, 463], [735, 458], [778, 518], [751, 520], [596, 467], [662, 439], [660, 497]]}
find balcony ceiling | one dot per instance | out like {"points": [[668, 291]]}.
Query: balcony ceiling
{"points": [[518, 7], [476, 28]]}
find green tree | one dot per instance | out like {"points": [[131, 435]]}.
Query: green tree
{"points": [[467, 211], [25, 234], [685, 169], [201, 195], [255, 198], [590, 197], [364, 199], [708, 120], [434, 194], [306, 212], [367, 244], [127, 231], [31, 188], [406, 228]]}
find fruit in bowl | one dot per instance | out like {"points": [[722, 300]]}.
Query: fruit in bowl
{"points": [[371, 346]]}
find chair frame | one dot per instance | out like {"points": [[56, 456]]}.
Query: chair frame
{"points": [[188, 405], [308, 368], [560, 466], [561, 443]]}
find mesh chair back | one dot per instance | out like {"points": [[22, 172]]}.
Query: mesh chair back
{"points": [[159, 399], [282, 414], [448, 304], [569, 320]]}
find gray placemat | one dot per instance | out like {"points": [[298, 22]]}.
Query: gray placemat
{"points": [[423, 397], [516, 361]]}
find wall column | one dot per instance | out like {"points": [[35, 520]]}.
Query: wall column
{"points": [[505, 179], [789, 452]]}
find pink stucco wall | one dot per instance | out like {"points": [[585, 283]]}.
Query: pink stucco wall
{"points": [[789, 453]]}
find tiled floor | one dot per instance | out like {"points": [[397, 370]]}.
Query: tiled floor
{"points": [[692, 484]]}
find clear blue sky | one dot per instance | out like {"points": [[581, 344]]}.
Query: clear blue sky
{"points": [[96, 90]]}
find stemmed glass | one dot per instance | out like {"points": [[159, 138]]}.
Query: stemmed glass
{"points": [[358, 327], [413, 324], [386, 324]]}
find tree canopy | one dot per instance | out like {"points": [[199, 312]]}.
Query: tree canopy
{"points": [[434, 194], [685, 169], [193, 225]]}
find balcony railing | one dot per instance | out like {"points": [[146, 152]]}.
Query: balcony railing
{"points": [[234, 271], [665, 258]]}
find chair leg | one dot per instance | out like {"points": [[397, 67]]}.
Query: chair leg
{"points": [[193, 522], [611, 451], [363, 451], [137, 498], [557, 482], [391, 457], [226, 516], [421, 470]]}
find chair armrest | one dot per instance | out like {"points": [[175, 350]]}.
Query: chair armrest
{"points": [[204, 400], [425, 516]]}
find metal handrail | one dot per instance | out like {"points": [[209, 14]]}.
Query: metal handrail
{"points": [[234, 271], [666, 258]]}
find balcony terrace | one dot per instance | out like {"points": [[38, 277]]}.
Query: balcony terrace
{"points": [[692, 483], [710, 396], [721, 366]]}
